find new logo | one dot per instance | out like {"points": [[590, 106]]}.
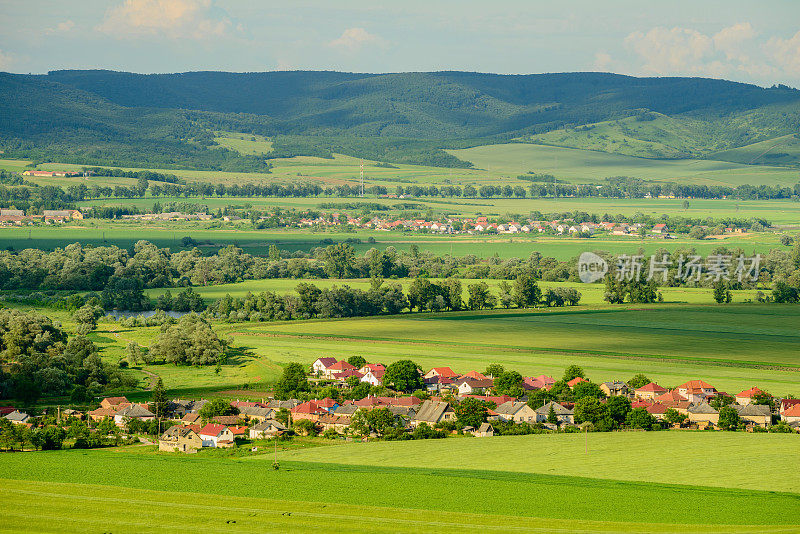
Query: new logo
{"points": [[591, 267]]}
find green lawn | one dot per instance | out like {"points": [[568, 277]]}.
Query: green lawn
{"points": [[720, 459], [62, 486]]}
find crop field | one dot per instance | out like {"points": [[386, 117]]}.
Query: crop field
{"points": [[211, 238], [733, 347], [579, 166], [237, 494]]}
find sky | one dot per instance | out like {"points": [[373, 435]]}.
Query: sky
{"points": [[754, 42]]}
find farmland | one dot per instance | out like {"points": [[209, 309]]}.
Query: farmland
{"points": [[250, 486], [580, 166]]}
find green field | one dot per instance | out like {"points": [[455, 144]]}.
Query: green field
{"points": [[684, 457], [733, 347], [779, 150], [580, 166], [236, 494]]}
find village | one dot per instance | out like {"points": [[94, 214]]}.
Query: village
{"points": [[447, 403]]}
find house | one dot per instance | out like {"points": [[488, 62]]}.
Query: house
{"points": [[190, 418], [373, 377], [756, 414], [518, 412], [18, 418], [134, 411], [615, 389], [469, 386], [657, 410], [267, 429], [703, 414], [339, 423], [180, 439], [444, 372], [697, 391], [214, 433], [321, 365], [484, 431], [476, 375], [791, 414], [113, 402], [227, 420], [649, 391], [564, 415], [340, 369], [256, 413], [746, 396], [575, 381], [308, 410], [438, 383], [101, 413], [671, 396], [61, 215], [433, 412], [784, 405], [660, 228]]}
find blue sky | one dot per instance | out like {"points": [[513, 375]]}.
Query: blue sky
{"points": [[756, 42]]}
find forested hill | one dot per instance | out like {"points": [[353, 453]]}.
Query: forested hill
{"points": [[424, 105], [106, 117]]}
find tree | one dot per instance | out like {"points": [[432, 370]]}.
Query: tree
{"points": [[507, 383], [403, 375], [306, 427], [377, 420], [158, 398], [590, 409], [471, 412], [339, 260], [357, 361], [552, 418], [618, 408], [728, 418], [674, 417], [640, 418], [504, 295], [526, 292], [639, 380], [216, 407], [480, 297], [697, 232], [191, 341], [572, 372], [494, 370], [587, 389], [721, 292], [540, 397], [292, 381], [86, 318]]}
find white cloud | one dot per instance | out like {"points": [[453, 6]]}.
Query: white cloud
{"points": [[354, 38], [732, 50], [62, 27], [732, 40], [670, 51], [5, 61], [175, 19], [785, 53]]}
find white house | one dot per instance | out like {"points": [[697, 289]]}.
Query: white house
{"points": [[212, 434], [321, 365]]}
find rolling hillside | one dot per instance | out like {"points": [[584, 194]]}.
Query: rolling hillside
{"points": [[170, 119]]}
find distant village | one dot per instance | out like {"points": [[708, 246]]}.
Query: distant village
{"points": [[689, 405], [449, 226]]}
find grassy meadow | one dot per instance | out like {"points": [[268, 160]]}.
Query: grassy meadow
{"points": [[355, 497]]}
